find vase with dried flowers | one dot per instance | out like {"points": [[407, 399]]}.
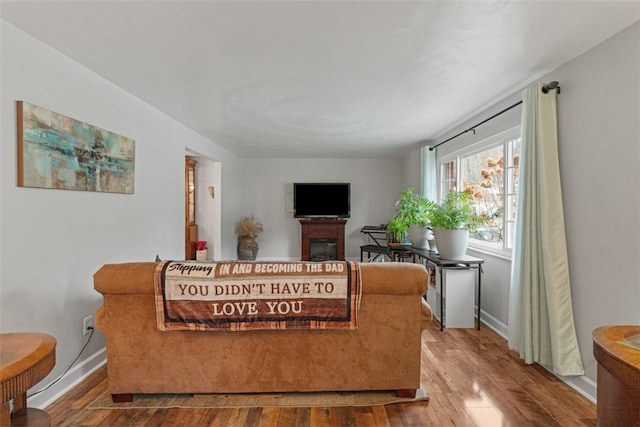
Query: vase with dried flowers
{"points": [[248, 230], [201, 250]]}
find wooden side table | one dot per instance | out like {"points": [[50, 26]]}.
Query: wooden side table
{"points": [[25, 359], [618, 376]]}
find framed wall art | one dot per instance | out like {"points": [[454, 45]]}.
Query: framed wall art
{"points": [[56, 151]]}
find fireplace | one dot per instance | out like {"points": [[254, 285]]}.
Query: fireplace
{"points": [[323, 249], [322, 239]]}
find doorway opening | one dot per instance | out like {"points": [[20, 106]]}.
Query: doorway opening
{"points": [[206, 202]]}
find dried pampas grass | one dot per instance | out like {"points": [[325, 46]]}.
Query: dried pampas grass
{"points": [[248, 227]]}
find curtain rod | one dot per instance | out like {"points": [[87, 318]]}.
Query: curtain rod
{"points": [[545, 89]]}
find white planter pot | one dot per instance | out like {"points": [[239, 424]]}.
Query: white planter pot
{"points": [[419, 236], [452, 244], [201, 255]]}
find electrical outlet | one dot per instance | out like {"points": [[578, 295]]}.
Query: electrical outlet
{"points": [[87, 325]]}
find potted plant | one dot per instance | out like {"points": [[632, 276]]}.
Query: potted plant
{"points": [[397, 232], [413, 211], [248, 230], [451, 221]]}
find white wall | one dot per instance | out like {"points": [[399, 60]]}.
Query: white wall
{"points": [[412, 170], [599, 148], [52, 241], [599, 138], [375, 186]]}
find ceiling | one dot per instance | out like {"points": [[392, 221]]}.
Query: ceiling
{"points": [[321, 79]]}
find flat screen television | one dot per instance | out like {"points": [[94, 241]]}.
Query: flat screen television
{"points": [[321, 200]]}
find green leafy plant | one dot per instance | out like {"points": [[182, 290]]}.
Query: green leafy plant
{"points": [[397, 230], [414, 208], [455, 212], [411, 209]]}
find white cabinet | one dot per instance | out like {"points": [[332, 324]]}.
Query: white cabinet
{"points": [[453, 291]]}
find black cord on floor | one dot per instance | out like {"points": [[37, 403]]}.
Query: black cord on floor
{"points": [[66, 370]]}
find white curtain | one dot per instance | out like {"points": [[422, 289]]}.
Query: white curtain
{"points": [[541, 326], [429, 173]]}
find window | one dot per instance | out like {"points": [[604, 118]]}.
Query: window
{"points": [[489, 170]]}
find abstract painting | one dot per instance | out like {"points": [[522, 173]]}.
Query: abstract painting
{"points": [[55, 151]]}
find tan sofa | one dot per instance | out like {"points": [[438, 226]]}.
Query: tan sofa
{"points": [[383, 354]]}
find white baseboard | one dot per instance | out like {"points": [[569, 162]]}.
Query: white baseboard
{"points": [[72, 378], [497, 326], [582, 384]]}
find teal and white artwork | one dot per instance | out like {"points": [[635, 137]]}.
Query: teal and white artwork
{"points": [[55, 151]]}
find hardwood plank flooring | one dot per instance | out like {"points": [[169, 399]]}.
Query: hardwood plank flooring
{"points": [[471, 377]]}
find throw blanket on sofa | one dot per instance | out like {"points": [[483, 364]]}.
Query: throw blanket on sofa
{"points": [[241, 296]]}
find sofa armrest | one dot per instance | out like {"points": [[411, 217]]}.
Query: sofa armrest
{"points": [[126, 278], [100, 319], [427, 315]]}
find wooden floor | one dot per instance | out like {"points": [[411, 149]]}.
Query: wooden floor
{"points": [[470, 376]]}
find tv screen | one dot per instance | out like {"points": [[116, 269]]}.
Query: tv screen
{"points": [[322, 200]]}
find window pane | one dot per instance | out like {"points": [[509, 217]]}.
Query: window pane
{"points": [[448, 177], [483, 174], [490, 170], [513, 148]]}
